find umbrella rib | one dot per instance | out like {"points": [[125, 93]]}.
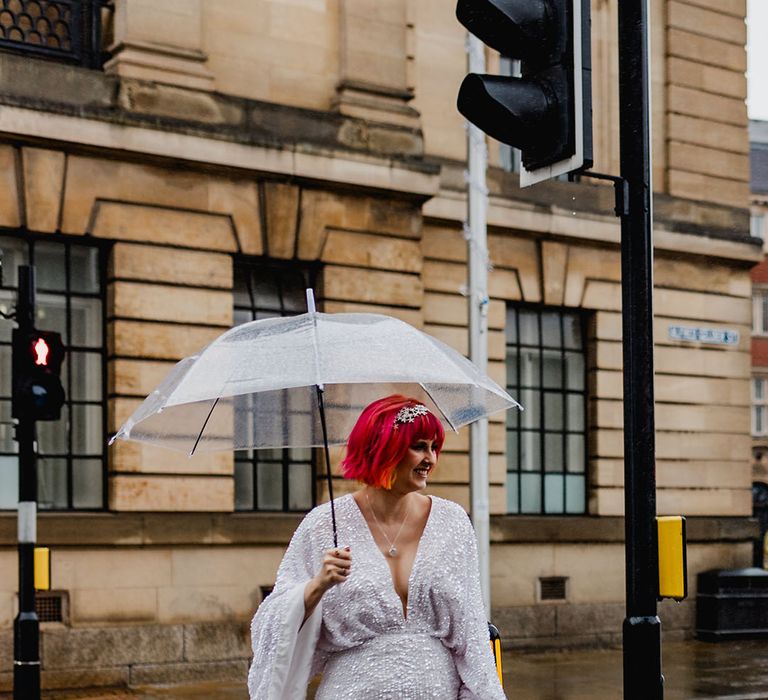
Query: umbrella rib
{"points": [[437, 406], [202, 430]]}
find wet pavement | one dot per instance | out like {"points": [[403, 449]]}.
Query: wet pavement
{"points": [[693, 670]]}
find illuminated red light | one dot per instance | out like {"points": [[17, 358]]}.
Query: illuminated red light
{"points": [[41, 352]]}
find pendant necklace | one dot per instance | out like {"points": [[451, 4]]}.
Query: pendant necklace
{"points": [[392, 551]]}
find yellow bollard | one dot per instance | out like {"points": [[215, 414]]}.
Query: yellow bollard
{"points": [[673, 562], [42, 563], [496, 649]]}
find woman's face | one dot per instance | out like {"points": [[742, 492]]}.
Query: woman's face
{"points": [[412, 471]]}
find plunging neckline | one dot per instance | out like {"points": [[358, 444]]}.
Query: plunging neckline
{"points": [[402, 608]]}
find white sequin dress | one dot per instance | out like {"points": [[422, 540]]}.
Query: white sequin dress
{"points": [[358, 636]]}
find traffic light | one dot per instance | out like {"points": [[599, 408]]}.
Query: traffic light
{"points": [[547, 111], [37, 390]]}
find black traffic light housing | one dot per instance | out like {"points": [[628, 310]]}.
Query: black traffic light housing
{"points": [[37, 390], [546, 112]]}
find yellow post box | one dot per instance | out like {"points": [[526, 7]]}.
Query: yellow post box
{"points": [[42, 564], [673, 561]]}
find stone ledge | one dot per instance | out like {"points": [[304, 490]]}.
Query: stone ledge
{"points": [[159, 529], [166, 529], [573, 625], [513, 529], [672, 213], [49, 86], [105, 647]]}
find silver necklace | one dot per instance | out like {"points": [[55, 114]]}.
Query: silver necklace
{"points": [[392, 551]]}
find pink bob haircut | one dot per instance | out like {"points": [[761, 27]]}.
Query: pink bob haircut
{"points": [[377, 444]]}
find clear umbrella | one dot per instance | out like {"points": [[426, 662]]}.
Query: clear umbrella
{"points": [[302, 381]]}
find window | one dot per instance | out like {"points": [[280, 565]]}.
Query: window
{"points": [[280, 479], [759, 406], [760, 311], [546, 443], [67, 30], [757, 224], [71, 451]]}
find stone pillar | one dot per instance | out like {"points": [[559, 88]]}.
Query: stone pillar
{"points": [[373, 83], [161, 42]]}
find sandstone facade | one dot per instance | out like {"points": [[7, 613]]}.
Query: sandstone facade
{"points": [[324, 133]]}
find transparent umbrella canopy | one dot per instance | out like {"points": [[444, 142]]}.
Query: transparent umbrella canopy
{"points": [[256, 385], [303, 381]]}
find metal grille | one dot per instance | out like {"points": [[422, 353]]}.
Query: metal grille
{"points": [[546, 443], [552, 588], [280, 479], [69, 30], [49, 606], [70, 300]]}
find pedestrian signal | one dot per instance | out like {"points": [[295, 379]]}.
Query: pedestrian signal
{"points": [[37, 390]]}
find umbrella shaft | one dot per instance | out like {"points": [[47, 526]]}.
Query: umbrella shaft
{"points": [[321, 408]]}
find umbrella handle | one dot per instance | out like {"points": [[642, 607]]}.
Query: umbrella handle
{"points": [[321, 407]]}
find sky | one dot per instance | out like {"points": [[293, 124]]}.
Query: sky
{"points": [[757, 59]]}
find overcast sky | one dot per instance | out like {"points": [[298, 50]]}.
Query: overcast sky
{"points": [[757, 54]]}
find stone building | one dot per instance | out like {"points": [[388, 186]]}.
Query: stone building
{"points": [[173, 168], [758, 157], [758, 132]]}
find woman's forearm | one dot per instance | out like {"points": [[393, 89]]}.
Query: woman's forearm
{"points": [[312, 595]]}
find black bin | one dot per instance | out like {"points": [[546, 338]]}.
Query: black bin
{"points": [[732, 604]]}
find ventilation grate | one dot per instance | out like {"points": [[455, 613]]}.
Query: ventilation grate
{"points": [[49, 606], [552, 587]]}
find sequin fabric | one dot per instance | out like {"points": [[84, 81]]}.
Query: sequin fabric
{"points": [[369, 648]]}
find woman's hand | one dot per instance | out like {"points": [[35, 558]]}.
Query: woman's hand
{"points": [[337, 563]]}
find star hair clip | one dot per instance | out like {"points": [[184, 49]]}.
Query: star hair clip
{"points": [[410, 413]]}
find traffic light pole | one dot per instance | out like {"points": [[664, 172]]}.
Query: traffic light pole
{"points": [[477, 296], [642, 627], [26, 629]]}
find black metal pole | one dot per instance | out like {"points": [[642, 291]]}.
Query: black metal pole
{"points": [[321, 408], [26, 628], [642, 627]]}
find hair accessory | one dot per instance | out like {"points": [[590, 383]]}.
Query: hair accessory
{"points": [[410, 413]]}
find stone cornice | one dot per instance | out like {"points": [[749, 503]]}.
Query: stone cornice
{"points": [[275, 529], [78, 109]]}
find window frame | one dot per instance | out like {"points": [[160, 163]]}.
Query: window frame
{"points": [[311, 273], [515, 420], [758, 223], [31, 241], [759, 310], [758, 402]]}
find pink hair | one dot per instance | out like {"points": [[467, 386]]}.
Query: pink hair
{"points": [[377, 444]]}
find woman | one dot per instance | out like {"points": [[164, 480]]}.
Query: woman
{"points": [[396, 611]]}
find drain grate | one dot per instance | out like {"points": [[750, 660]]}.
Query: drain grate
{"points": [[552, 587], [50, 606]]}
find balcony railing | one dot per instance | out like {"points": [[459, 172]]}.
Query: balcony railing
{"points": [[66, 30]]}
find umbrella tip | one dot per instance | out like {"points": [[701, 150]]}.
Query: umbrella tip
{"points": [[310, 300]]}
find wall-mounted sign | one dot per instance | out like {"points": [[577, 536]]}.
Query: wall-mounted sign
{"points": [[710, 336]]}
